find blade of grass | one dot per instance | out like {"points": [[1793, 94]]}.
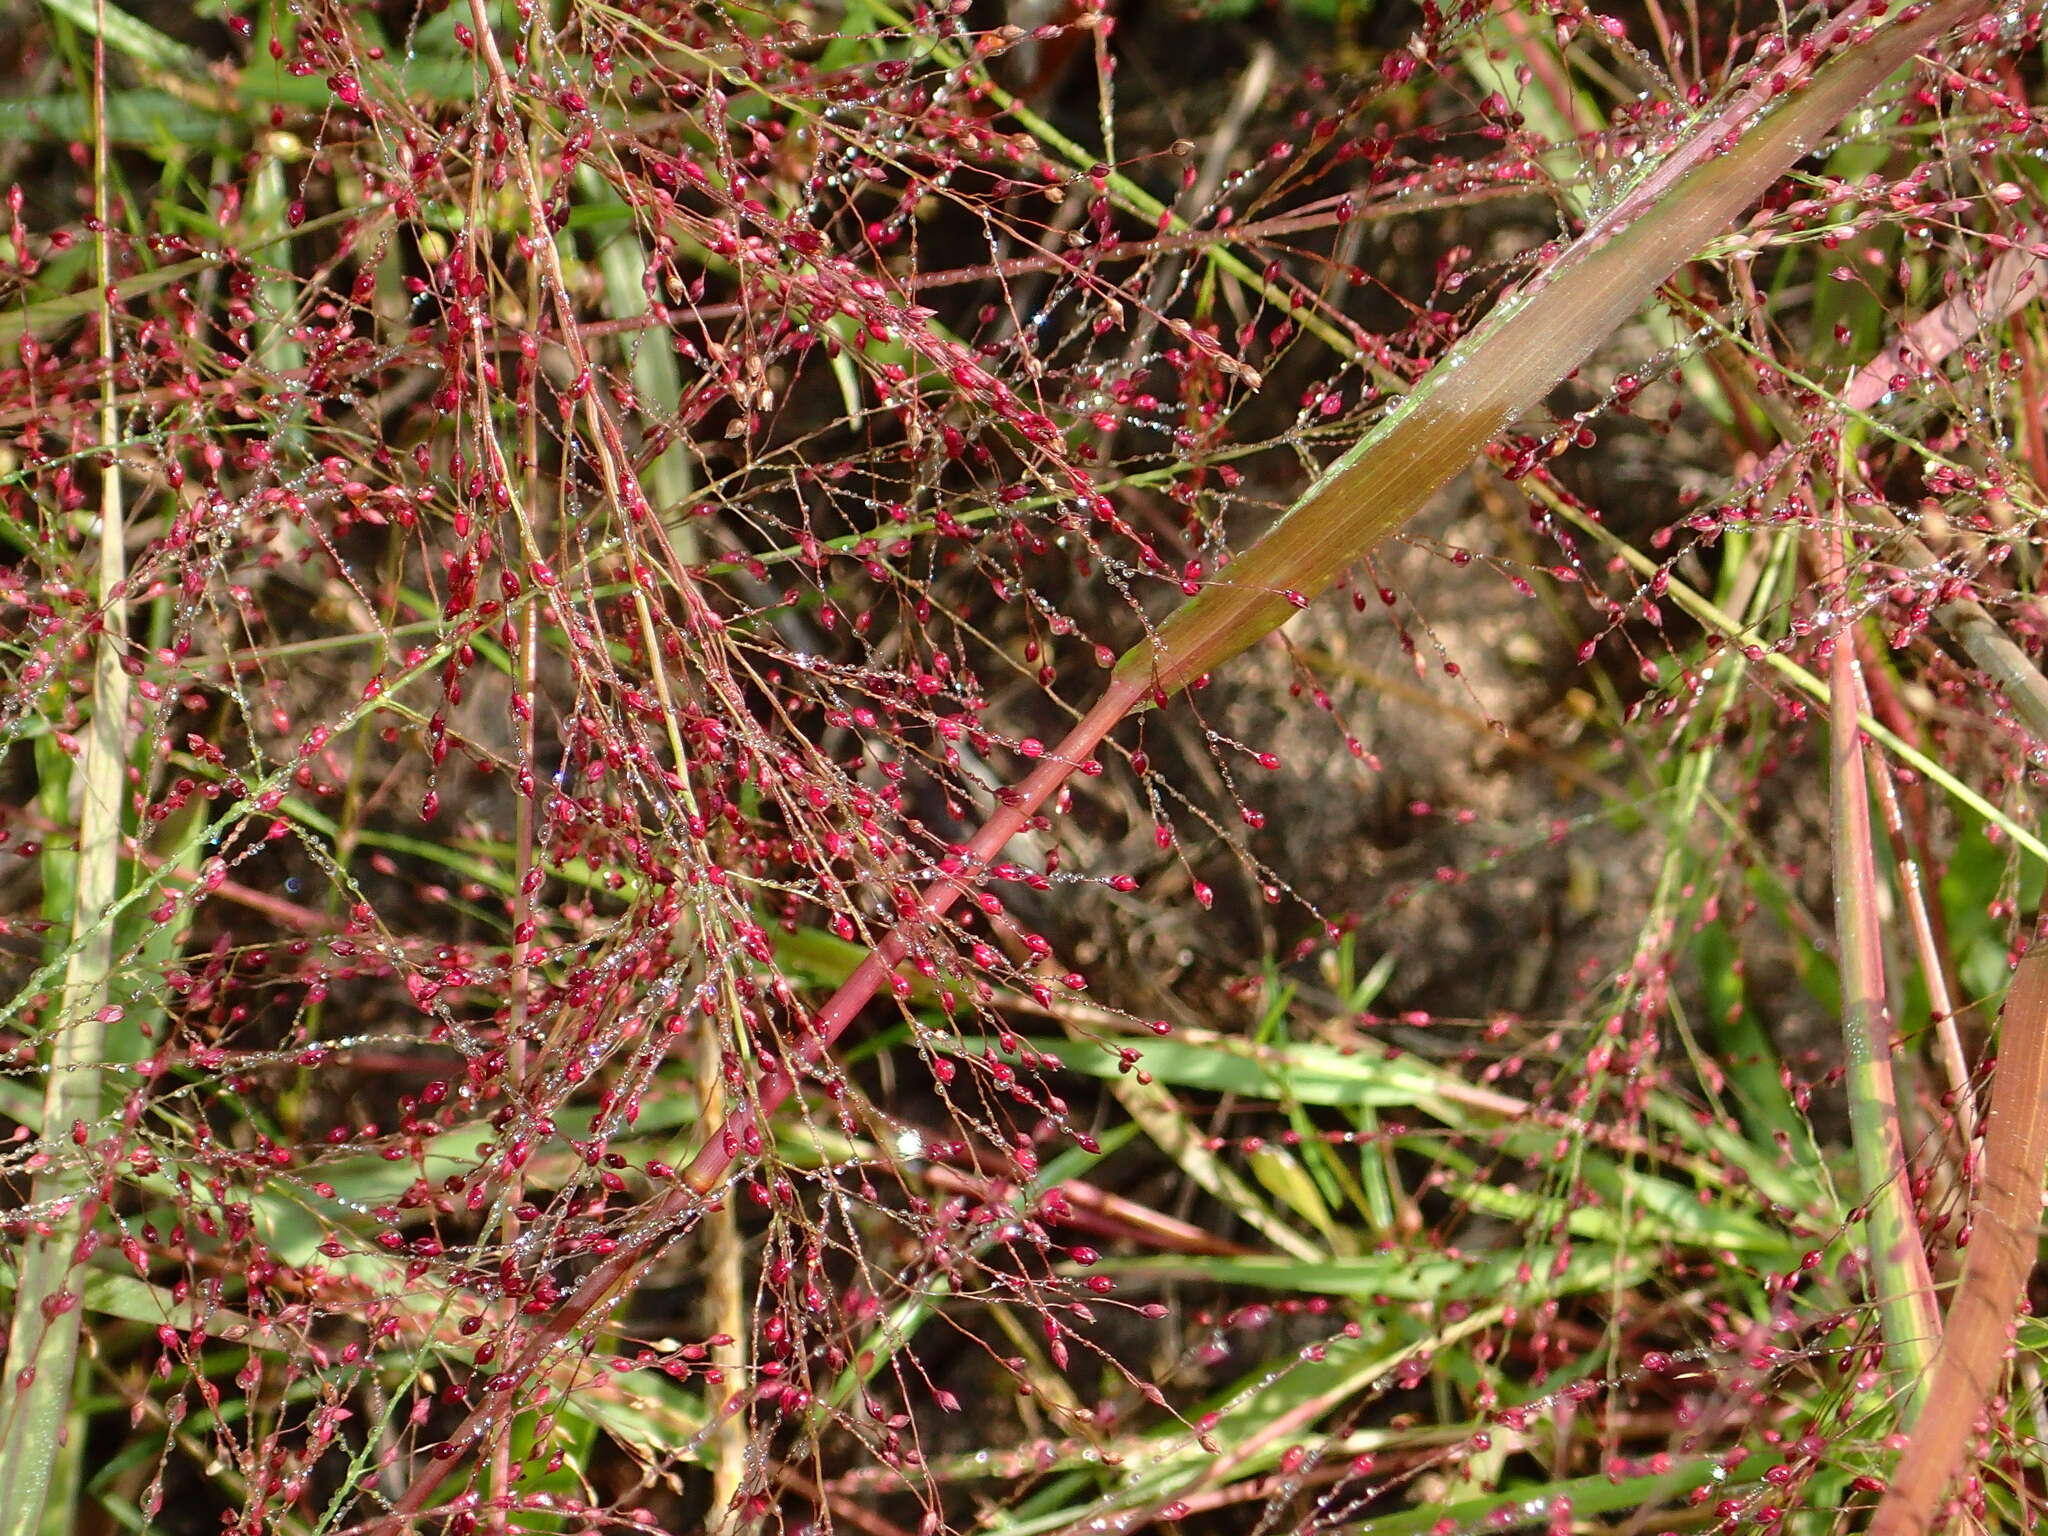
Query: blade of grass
{"points": [[1405, 1276], [1531, 341], [124, 33], [1898, 1263], [1929, 940], [42, 1343], [2005, 1221], [1154, 1109], [1247, 1429]]}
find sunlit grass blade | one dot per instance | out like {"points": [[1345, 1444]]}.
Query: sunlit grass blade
{"points": [[1898, 1262], [1532, 340], [2005, 1223], [129, 35]]}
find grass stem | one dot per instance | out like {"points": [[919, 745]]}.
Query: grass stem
{"points": [[1898, 1263], [42, 1344]]}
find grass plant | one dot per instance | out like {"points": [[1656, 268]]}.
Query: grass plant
{"points": [[1101, 769]]}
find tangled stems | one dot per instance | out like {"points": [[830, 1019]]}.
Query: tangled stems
{"points": [[1447, 419], [942, 415], [730, 1140]]}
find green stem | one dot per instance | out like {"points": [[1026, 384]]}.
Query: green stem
{"points": [[1898, 1263], [42, 1344]]}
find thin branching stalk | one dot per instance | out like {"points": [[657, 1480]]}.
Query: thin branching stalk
{"points": [[1914, 892], [396, 1156], [2016, 278], [42, 1344], [1726, 625], [521, 979], [1534, 339], [729, 1140]]}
